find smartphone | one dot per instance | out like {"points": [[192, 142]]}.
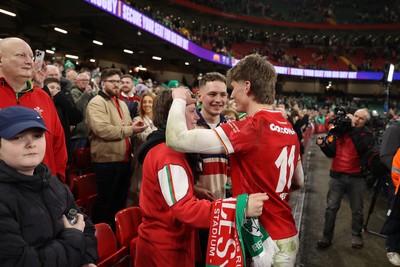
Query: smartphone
{"points": [[39, 57]]}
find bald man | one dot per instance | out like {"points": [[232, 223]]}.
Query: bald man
{"points": [[17, 88]]}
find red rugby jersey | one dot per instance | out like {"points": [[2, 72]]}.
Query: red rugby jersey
{"points": [[264, 152]]}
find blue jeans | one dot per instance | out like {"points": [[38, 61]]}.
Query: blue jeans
{"points": [[338, 186]]}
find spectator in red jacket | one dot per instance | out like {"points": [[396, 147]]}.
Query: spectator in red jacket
{"points": [[16, 88]]}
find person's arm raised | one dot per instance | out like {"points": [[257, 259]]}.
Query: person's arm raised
{"points": [[180, 138]]}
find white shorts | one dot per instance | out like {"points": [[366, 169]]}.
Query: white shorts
{"points": [[288, 248]]}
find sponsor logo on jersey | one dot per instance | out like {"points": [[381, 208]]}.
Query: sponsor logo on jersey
{"points": [[279, 129]]}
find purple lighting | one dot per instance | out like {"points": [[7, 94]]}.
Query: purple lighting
{"points": [[134, 17]]}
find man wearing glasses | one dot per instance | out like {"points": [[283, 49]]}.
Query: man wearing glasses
{"points": [[16, 88], [81, 93], [110, 128]]}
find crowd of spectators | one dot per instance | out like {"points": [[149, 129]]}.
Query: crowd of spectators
{"points": [[110, 147], [363, 52], [312, 11]]}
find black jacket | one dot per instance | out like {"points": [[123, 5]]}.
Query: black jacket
{"points": [[390, 144], [68, 114], [31, 228]]}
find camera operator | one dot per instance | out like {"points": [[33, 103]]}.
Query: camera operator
{"points": [[389, 146], [348, 143]]}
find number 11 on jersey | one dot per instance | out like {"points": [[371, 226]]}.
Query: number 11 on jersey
{"points": [[284, 161]]}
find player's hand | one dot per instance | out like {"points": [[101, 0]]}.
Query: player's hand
{"points": [[255, 204]]}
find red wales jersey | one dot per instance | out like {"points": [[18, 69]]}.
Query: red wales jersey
{"points": [[264, 152], [170, 211]]}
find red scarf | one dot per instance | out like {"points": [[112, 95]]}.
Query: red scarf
{"points": [[230, 232], [224, 243]]}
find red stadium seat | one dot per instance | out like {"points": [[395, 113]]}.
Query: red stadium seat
{"points": [[109, 254], [82, 160], [85, 191], [70, 179], [127, 222]]}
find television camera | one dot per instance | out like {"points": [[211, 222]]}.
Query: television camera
{"points": [[339, 124]]}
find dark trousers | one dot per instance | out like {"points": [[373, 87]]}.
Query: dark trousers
{"points": [[112, 181], [203, 239], [338, 186]]}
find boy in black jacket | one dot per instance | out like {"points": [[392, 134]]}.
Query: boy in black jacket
{"points": [[33, 228]]}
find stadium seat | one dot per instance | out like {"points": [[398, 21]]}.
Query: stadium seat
{"points": [[127, 222], [70, 179], [109, 253], [82, 160], [85, 192]]}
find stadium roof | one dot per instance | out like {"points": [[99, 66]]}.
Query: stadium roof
{"points": [[35, 21]]}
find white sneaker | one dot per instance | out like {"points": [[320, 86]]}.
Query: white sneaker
{"points": [[394, 258]]}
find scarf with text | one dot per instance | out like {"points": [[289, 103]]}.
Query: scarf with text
{"points": [[231, 232]]}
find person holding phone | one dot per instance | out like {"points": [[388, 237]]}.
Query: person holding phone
{"points": [[39, 58], [33, 203], [16, 88]]}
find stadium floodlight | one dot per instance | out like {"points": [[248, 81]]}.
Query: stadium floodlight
{"points": [[389, 78], [60, 30], [6, 12]]}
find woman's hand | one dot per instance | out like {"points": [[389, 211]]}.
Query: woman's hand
{"points": [[255, 204]]}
